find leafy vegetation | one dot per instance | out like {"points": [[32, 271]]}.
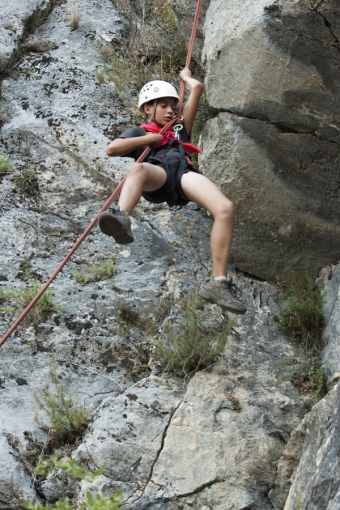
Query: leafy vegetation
{"points": [[263, 466], [96, 273], [307, 376], [70, 467], [67, 417], [20, 297], [26, 183], [5, 165], [298, 502], [302, 318], [191, 343], [156, 49]]}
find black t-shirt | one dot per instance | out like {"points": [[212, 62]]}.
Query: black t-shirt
{"points": [[138, 131]]}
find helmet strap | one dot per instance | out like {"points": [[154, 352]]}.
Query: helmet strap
{"points": [[154, 106]]}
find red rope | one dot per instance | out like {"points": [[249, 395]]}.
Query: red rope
{"points": [[114, 194], [77, 244], [189, 54]]}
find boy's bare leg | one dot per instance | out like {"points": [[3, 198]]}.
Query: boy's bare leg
{"points": [[205, 193], [141, 177]]}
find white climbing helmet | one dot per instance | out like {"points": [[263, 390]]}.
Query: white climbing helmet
{"points": [[154, 90]]}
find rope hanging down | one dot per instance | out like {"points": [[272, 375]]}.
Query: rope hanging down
{"points": [[115, 193]]}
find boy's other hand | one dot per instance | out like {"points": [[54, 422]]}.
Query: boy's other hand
{"points": [[185, 73]]}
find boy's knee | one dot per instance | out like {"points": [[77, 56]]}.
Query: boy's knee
{"points": [[136, 171], [227, 208], [136, 168]]}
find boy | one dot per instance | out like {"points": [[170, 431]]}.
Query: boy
{"points": [[167, 176]]}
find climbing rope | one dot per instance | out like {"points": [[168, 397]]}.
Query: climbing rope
{"points": [[115, 192]]}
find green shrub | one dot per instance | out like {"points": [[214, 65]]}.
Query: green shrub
{"points": [[298, 502], [191, 343], [22, 297], [26, 183], [5, 165], [96, 273], [263, 466], [67, 417], [156, 49], [97, 502], [307, 376], [302, 316]]}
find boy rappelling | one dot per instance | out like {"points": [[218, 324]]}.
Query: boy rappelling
{"points": [[168, 175]]}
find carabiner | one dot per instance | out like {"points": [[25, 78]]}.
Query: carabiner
{"points": [[177, 128]]}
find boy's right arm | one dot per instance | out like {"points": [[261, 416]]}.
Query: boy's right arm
{"points": [[123, 146]]}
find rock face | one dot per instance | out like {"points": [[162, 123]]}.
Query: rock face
{"points": [[316, 482], [274, 68], [330, 284], [185, 14], [209, 443]]}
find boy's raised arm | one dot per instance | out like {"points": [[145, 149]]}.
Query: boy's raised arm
{"points": [[191, 106]]}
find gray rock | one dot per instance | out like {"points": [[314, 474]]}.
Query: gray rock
{"points": [[275, 62], [276, 154], [285, 206], [235, 412], [167, 443], [329, 282], [16, 18], [316, 478]]}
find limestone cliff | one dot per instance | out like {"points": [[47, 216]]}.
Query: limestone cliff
{"points": [[230, 437]]}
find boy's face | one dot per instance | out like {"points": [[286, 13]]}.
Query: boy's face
{"points": [[164, 110]]}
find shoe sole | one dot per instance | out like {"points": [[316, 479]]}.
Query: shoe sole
{"points": [[216, 301], [112, 227]]}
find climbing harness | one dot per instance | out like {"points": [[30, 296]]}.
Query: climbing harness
{"points": [[170, 135], [116, 191]]}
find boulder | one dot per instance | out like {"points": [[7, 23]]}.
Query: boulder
{"points": [[274, 68], [316, 478], [284, 186]]}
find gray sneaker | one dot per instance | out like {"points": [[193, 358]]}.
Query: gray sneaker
{"points": [[117, 224], [222, 293]]}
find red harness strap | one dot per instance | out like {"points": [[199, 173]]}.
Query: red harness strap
{"points": [[152, 127]]}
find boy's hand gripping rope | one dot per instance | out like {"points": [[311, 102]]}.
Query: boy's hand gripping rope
{"points": [[115, 192]]}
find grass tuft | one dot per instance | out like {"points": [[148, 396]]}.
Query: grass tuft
{"points": [[96, 273], [75, 15], [191, 343], [302, 316], [20, 298], [26, 183], [307, 376], [5, 165]]}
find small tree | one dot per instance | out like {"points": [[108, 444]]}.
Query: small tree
{"points": [[67, 417]]}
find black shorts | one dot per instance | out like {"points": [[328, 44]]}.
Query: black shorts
{"points": [[171, 192]]}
